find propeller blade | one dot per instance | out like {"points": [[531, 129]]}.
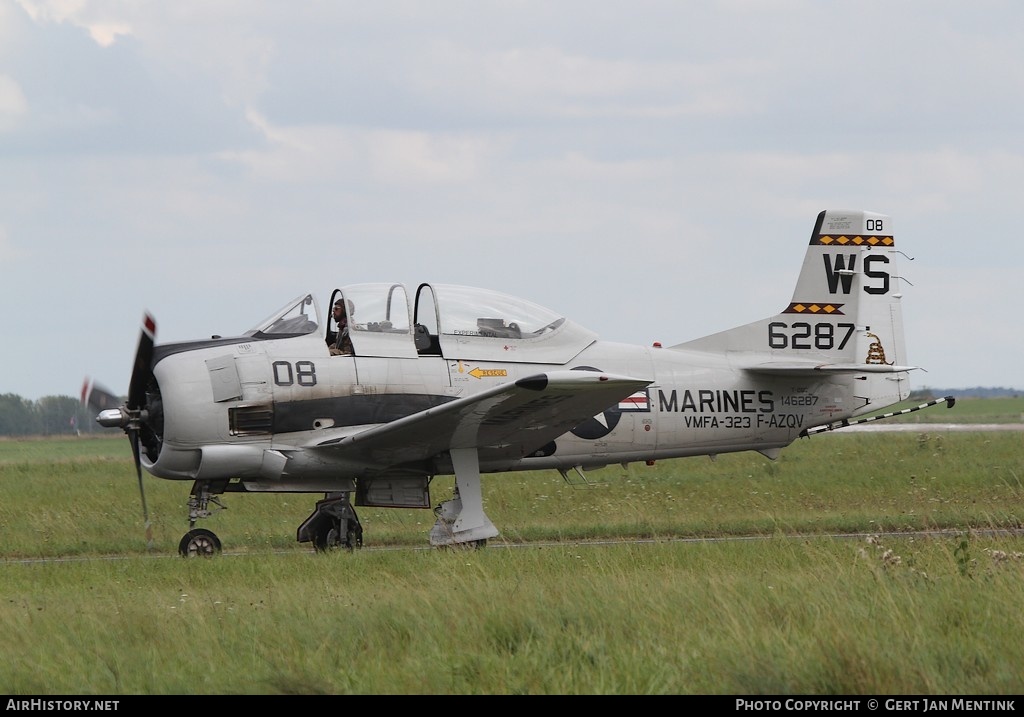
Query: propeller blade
{"points": [[131, 415], [143, 370], [133, 437]]}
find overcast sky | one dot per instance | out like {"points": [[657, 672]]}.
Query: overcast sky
{"points": [[650, 169]]}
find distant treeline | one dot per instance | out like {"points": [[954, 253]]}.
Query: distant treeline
{"points": [[976, 392], [49, 416], [63, 415]]}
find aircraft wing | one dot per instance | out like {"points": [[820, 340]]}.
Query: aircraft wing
{"points": [[511, 420]]}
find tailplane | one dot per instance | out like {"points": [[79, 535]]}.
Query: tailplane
{"points": [[845, 317]]}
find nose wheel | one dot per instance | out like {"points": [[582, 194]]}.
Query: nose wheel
{"points": [[199, 543]]}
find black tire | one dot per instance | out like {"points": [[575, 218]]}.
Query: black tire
{"points": [[199, 543], [327, 538], [354, 539]]}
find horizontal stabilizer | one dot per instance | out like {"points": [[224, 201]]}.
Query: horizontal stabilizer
{"points": [[811, 368]]}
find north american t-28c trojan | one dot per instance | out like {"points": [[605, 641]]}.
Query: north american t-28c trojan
{"points": [[465, 381]]}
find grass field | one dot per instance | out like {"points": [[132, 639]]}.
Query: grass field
{"points": [[965, 410], [698, 608]]}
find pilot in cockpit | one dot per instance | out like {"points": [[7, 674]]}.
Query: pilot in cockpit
{"points": [[340, 342]]}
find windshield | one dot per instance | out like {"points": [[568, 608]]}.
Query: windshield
{"points": [[297, 317]]}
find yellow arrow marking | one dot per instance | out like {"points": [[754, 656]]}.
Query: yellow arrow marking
{"points": [[481, 372]]}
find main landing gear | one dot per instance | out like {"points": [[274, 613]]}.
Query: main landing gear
{"points": [[461, 520], [333, 524]]}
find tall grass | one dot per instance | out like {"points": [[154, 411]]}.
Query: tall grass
{"points": [[782, 616], [682, 613]]}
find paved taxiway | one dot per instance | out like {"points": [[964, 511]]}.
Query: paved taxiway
{"points": [[882, 427]]}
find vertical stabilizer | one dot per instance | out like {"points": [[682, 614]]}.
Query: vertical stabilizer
{"points": [[845, 317], [850, 271]]}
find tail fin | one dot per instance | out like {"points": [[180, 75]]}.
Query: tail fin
{"points": [[845, 318]]}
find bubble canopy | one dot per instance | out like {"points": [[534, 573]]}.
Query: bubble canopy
{"points": [[438, 319]]}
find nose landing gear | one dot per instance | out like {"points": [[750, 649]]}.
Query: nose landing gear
{"points": [[200, 542]]}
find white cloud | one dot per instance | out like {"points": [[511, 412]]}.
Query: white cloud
{"points": [[319, 153], [417, 157], [13, 105], [106, 34], [80, 13], [543, 80], [9, 253], [551, 72]]}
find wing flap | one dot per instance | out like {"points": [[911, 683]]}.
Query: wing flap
{"points": [[514, 419]]}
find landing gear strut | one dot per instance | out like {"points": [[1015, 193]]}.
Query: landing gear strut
{"points": [[462, 520]]}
